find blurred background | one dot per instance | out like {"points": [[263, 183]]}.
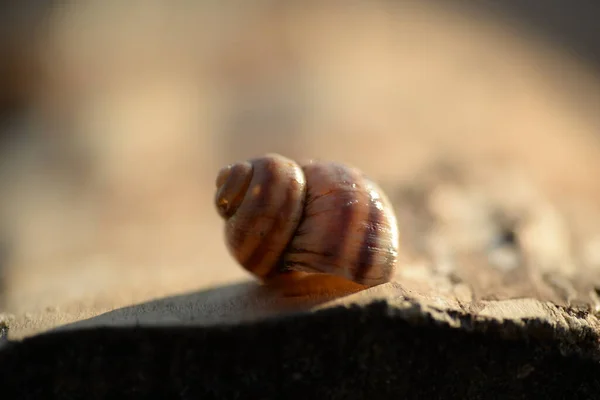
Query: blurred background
{"points": [[116, 116]]}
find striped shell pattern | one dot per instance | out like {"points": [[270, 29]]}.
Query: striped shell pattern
{"points": [[320, 217]]}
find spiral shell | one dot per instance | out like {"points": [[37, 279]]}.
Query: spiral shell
{"points": [[318, 217]]}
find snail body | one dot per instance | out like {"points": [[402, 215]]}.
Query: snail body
{"points": [[316, 217]]}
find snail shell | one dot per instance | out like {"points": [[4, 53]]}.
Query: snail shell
{"points": [[318, 217]]}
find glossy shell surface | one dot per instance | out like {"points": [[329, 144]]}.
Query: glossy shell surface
{"points": [[319, 217]]}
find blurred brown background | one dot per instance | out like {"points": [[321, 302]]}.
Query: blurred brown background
{"points": [[117, 115]]}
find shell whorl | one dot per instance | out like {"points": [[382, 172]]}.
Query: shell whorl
{"points": [[320, 217], [261, 201], [349, 227]]}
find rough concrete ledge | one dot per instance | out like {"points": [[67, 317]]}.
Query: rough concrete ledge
{"points": [[375, 350]]}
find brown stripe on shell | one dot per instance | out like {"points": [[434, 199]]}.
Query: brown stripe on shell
{"points": [[264, 259], [332, 210], [369, 246], [347, 201], [268, 215], [357, 231], [379, 250], [241, 226]]}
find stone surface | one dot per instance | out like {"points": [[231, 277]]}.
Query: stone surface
{"points": [[374, 351]]}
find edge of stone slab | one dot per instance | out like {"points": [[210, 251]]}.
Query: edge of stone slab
{"points": [[248, 303], [348, 351], [573, 331]]}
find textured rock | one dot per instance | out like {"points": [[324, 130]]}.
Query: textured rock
{"points": [[376, 351]]}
